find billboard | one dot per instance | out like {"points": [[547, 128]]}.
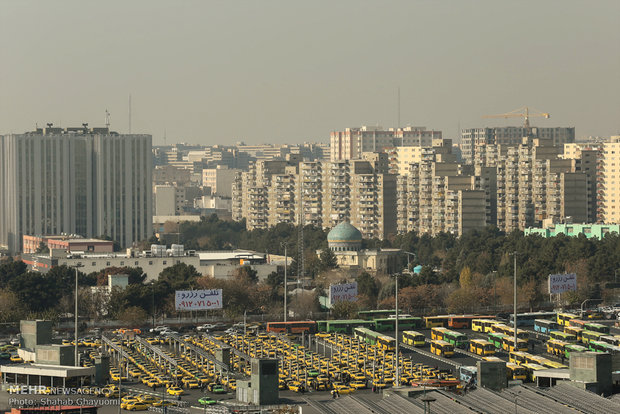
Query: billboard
{"points": [[186, 300], [566, 282], [345, 291]]}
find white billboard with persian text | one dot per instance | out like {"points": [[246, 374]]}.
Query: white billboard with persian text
{"points": [[566, 282], [187, 300], [343, 292]]}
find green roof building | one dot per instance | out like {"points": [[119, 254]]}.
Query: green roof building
{"points": [[589, 230]]}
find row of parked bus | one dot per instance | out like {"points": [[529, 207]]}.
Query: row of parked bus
{"points": [[532, 363]]}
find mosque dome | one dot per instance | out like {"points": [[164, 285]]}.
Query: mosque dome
{"points": [[344, 237]]}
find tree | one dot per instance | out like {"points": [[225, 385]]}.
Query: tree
{"points": [[344, 310], [10, 269], [328, 259], [10, 308], [245, 274], [368, 285], [179, 276], [133, 316], [42, 249], [37, 291]]}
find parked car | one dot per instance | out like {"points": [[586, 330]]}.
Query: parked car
{"points": [[160, 328], [206, 327]]}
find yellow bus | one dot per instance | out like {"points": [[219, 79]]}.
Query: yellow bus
{"points": [[493, 359], [554, 365], [481, 347], [556, 347], [531, 370], [564, 318], [483, 325], [437, 334], [436, 321], [535, 359], [442, 348], [498, 328], [508, 344], [509, 330], [575, 330], [413, 338], [587, 336], [517, 357], [387, 343], [515, 372]]}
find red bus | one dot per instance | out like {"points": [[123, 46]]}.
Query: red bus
{"points": [[464, 321], [292, 327]]}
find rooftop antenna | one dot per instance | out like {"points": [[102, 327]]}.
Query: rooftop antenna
{"points": [[130, 113], [107, 119], [164, 136]]}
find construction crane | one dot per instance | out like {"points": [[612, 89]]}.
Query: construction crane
{"points": [[523, 112]]}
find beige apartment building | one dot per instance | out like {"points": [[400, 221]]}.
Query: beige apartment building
{"points": [[609, 185], [318, 193], [533, 184], [436, 196], [351, 143]]}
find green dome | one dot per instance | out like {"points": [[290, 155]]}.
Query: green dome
{"points": [[344, 232]]}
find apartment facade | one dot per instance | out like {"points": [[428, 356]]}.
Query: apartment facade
{"points": [[351, 143], [81, 181], [319, 193], [473, 138]]}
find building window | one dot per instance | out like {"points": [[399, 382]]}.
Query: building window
{"points": [[122, 263], [107, 263], [150, 262], [135, 263], [164, 262]]}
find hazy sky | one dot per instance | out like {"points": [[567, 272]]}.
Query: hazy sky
{"points": [[290, 71]]}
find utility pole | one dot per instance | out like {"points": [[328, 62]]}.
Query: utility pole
{"points": [[76, 266], [285, 278], [515, 299], [396, 326]]}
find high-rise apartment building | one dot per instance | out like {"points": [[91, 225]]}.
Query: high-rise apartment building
{"points": [[533, 185], [319, 193], [609, 184], [352, 142], [441, 196], [510, 136], [85, 181]]}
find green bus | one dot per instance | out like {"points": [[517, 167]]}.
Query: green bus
{"points": [[497, 339], [321, 326], [563, 336], [597, 327], [457, 339], [347, 325], [375, 314], [599, 346], [588, 336], [570, 348], [389, 324], [384, 342]]}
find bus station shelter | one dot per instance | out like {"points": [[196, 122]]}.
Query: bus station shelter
{"points": [[49, 375]]}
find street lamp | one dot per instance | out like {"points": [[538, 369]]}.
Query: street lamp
{"points": [[285, 277], [515, 299], [153, 302], [76, 267], [397, 339]]}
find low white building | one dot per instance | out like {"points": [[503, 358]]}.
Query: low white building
{"points": [[218, 264]]}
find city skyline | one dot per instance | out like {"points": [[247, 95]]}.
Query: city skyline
{"points": [[275, 72]]}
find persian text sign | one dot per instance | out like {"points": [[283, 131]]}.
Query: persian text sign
{"points": [[562, 283], [198, 299], [345, 291]]}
